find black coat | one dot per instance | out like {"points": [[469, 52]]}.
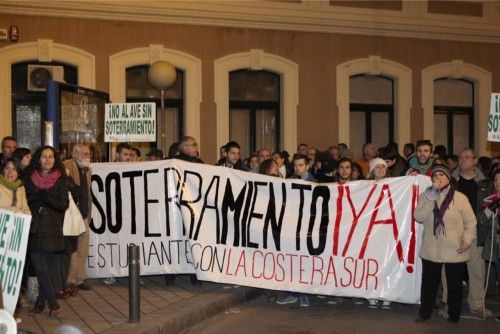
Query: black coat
{"points": [[185, 157], [238, 166], [47, 208]]}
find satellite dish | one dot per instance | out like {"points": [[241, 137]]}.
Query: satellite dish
{"points": [[8, 324]]}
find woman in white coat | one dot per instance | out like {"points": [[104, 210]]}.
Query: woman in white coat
{"points": [[449, 230]]}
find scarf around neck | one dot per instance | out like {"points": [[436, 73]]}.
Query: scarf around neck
{"points": [[11, 185], [439, 212], [45, 181]]}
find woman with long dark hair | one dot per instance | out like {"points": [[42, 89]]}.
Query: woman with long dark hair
{"points": [[23, 156], [47, 193]]}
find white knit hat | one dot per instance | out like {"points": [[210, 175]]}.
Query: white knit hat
{"points": [[375, 162]]}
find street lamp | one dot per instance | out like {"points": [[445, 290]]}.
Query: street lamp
{"points": [[161, 75]]}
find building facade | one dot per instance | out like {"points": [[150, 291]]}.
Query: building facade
{"points": [[347, 71]]}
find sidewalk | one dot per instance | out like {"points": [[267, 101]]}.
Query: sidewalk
{"points": [[163, 309]]}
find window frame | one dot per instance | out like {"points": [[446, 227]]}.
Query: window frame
{"points": [[175, 103], [449, 111], [252, 107], [369, 108]]}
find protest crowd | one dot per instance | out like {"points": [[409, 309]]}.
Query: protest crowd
{"points": [[458, 213]]}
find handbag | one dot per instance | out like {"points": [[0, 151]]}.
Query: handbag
{"points": [[73, 221]]}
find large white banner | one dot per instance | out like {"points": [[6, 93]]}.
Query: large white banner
{"points": [[357, 239], [14, 231]]}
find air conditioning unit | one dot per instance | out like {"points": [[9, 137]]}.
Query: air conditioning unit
{"points": [[39, 75]]}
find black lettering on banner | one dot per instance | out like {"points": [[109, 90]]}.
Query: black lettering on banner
{"points": [[324, 193], [215, 181], [114, 177], [125, 258], [228, 202], [147, 201], [132, 175], [99, 263], [178, 243], [171, 199], [111, 257], [90, 257], [271, 217], [301, 188], [186, 203], [153, 251], [254, 214], [164, 253], [245, 214], [102, 228], [204, 259]]}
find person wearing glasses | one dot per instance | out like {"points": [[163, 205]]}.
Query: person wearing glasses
{"points": [[188, 151]]}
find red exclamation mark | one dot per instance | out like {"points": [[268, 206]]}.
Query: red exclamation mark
{"points": [[338, 217], [413, 237]]}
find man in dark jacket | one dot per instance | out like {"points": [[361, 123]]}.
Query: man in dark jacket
{"points": [[78, 170], [188, 151], [232, 159], [470, 181]]}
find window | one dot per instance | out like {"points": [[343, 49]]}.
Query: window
{"points": [[453, 114], [254, 103], [371, 108], [28, 104], [171, 120]]}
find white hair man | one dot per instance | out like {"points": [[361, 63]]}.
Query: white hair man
{"points": [[78, 169]]}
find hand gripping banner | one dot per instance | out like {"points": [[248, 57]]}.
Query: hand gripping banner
{"points": [[358, 239]]}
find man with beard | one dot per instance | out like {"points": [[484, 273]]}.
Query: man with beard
{"points": [[79, 172], [123, 152], [423, 160], [232, 157]]}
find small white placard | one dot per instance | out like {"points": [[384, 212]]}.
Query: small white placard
{"points": [[494, 119], [135, 122]]}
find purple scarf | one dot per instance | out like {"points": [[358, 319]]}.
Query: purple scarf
{"points": [[45, 181], [440, 211]]}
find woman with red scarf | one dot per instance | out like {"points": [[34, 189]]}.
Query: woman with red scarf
{"points": [[449, 230], [47, 193]]}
